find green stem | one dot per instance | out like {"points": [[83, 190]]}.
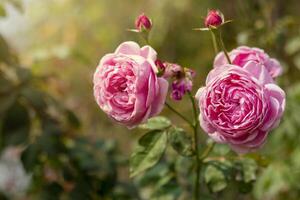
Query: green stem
{"points": [[198, 161], [179, 114], [221, 44], [206, 152], [145, 36], [214, 40]]}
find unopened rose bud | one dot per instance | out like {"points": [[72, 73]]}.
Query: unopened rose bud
{"points": [[143, 23], [214, 18], [160, 66]]}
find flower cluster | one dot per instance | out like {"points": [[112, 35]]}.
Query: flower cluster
{"points": [[181, 77], [239, 104]]}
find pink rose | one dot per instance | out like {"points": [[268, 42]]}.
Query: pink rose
{"points": [[240, 106], [126, 86], [243, 54]]}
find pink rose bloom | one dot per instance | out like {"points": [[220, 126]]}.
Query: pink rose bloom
{"points": [[240, 106], [244, 54], [126, 86]]}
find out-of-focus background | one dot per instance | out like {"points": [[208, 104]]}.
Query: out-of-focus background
{"points": [[57, 144]]}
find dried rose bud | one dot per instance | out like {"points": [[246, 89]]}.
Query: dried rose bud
{"points": [[173, 70], [214, 18], [180, 88], [143, 23]]}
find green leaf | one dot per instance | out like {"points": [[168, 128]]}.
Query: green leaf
{"points": [[72, 119], [221, 149], [249, 169], [181, 142], [36, 99], [6, 102], [16, 125], [156, 123], [29, 157], [149, 151], [215, 179]]}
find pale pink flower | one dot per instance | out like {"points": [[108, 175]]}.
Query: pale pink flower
{"points": [[244, 54], [126, 86], [240, 106]]}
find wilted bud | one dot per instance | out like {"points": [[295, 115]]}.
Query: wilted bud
{"points": [[143, 23], [173, 70], [214, 18], [180, 88]]}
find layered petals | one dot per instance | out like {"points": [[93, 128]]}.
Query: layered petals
{"points": [[126, 86], [240, 106], [242, 55]]}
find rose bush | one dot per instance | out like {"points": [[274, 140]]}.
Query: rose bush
{"points": [[241, 55], [240, 106], [126, 86]]}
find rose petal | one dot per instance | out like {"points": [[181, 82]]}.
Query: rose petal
{"points": [[128, 48], [159, 101]]}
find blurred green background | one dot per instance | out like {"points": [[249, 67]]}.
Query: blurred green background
{"points": [[49, 51]]}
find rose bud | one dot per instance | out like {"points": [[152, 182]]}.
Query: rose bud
{"points": [[160, 66], [143, 23], [126, 85], [214, 18]]}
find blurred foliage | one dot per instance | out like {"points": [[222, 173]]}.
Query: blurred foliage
{"points": [[45, 88]]}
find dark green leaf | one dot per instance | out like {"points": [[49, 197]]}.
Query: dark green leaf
{"points": [[156, 123], [16, 125], [36, 98], [72, 119], [149, 151], [181, 142], [6, 101], [30, 157]]}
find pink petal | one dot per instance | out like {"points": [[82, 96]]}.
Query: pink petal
{"points": [[259, 72], [128, 48], [220, 60], [159, 101], [148, 53], [206, 126]]}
